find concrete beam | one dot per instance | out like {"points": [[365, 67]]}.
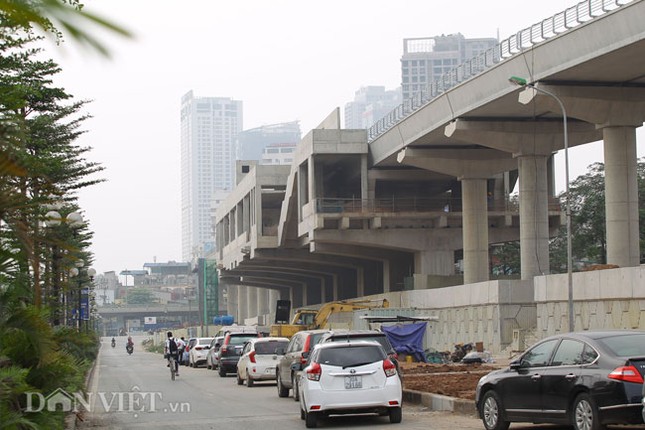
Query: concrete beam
{"points": [[476, 163], [534, 136]]}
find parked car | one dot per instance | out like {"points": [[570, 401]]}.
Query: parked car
{"points": [[294, 360], [375, 335], [229, 352], [347, 378], [586, 379], [197, 354], [211, 356], [185, 359], [258, 359]]}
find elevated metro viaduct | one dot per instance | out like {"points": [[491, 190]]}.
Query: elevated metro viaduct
{"points": [[386, 210]]}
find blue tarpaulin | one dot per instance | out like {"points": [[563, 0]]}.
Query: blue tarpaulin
{"points": [[407, 338]]}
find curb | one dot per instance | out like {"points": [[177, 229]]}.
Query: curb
{"points": [[438, 402], [72, 418]]}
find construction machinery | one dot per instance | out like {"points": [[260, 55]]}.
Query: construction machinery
{"points": [[312, 319]]}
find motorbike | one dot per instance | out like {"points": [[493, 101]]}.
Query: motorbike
{"points": [[113, 343], [129, 347]]}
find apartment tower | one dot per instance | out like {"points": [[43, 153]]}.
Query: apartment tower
{"points": [[209, 129]]}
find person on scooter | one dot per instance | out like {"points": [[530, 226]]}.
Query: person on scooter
{"points": [[130, 345], [113, 342]]}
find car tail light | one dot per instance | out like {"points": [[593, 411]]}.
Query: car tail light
{"points": [[305, 349], [252, 356], [389, 367], [198, 348], [626, 374], [313, 372]]}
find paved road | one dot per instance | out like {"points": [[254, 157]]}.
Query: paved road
{"points": [[135, 392]]}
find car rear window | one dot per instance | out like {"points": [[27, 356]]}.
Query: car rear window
{"points": [[351, 355], [631, 345], [380, 339], [270, 347], [240, 340]]}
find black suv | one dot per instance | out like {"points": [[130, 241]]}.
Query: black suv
{"points": [[229, 353], [294, 359]]}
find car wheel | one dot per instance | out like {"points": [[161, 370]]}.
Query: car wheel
{"points": [[302, 413], [492, 412], [585, 414], [294, 385], [208, 365], [282, 390], [240, 381], [311, 420], [249, 381], [221, 371], [396, 415]]}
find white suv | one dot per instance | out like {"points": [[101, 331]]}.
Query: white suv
{"points": [[347, 378], [259, 358]]}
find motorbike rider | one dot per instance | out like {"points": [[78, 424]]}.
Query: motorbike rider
{"points": [[113, 342], [130, 343]]}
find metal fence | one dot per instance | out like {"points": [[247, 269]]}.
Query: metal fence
{"points": [[536, 33]]}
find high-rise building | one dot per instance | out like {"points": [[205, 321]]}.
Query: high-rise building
{"points": [[425, 59], [370, 104], [209, 129], [251, 143]]}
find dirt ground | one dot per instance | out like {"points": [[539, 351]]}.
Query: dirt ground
{"points": [[454, 380]]}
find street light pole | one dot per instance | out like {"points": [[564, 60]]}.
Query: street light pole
{"points": [[523, 83]]}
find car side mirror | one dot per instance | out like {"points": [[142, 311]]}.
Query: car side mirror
{"points": [[305, 355], [207, 347], [515, 365], [296, 367]]}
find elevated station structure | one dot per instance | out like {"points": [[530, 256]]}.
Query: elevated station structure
{"points": [[387, 210]]}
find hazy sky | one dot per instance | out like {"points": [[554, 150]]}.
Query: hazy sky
{"points": [[285, 59]]}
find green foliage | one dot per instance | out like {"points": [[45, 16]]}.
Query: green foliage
{"points": [[59, 17], [588, 228], [13, 389], [150, 346]]}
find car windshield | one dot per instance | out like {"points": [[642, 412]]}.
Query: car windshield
{"points": [[240, 340], [631, 345], [270, 347], [351, 356]]}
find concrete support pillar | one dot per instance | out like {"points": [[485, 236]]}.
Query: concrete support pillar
{"points": [[231, 299], [303, 189], [371, 188], [534, 222], [360, 282], [364, 183], [246, 215], [386, 276], [621, 196], [252, 301], [475, 230], [274, 296], [242, 308], [435, 262], [263, 301], [311, 178], [335, 287]]}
